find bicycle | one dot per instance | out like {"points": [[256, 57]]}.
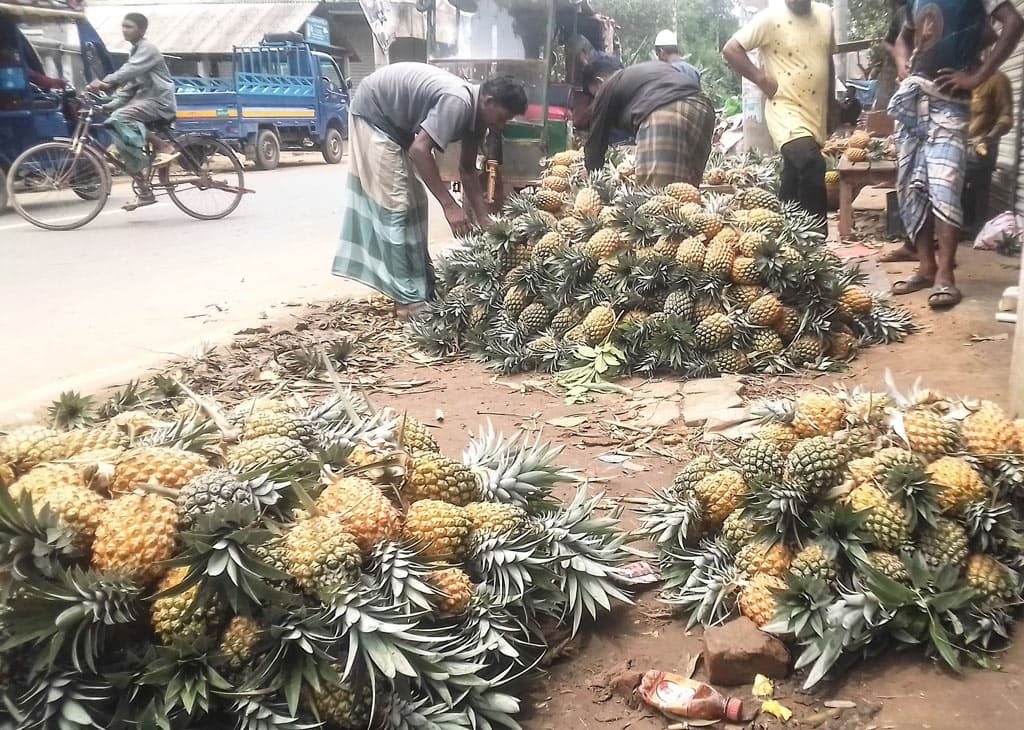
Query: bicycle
{"points": [[206, 171]]}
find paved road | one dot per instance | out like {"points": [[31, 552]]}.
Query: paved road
{"points": [[98, 305]]}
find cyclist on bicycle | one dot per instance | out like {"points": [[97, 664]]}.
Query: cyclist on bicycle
{"points": [[145, 93]]}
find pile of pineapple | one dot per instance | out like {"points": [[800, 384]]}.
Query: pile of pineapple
{"points": [[853, 522], [678, 280], [279, 567]]}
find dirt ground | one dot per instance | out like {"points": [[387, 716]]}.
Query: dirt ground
{"points": [[963, 351]]}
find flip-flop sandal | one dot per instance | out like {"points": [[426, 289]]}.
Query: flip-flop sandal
{"points": [[944, 297], [911, 285]]}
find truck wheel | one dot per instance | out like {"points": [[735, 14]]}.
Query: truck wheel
{"points": [[333, 146], [268, 150]]}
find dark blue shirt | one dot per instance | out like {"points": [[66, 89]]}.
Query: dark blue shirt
{"points": [[947, 33]]}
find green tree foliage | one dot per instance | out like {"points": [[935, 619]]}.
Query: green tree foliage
{"points": [[702, 28]]}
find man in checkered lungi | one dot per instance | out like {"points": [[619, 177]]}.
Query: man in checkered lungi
{"points": [[938, 56], [673, 120]]}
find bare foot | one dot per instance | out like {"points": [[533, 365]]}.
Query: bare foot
{"points": [[405, 312], [903, 253]]}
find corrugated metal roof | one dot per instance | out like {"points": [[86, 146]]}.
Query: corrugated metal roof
{"points": [[178, 28]]}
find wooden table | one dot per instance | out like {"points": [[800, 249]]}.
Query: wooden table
{"points": [[854, 176]]}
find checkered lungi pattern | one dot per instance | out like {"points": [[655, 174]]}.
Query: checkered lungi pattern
{"points": [[931, 155], [674, 142], [384, 223]]}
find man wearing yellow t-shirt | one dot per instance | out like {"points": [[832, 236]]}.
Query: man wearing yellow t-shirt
{"points": [[795, 40]]}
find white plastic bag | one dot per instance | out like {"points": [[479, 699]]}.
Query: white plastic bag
{"points": [[1005, 223]]}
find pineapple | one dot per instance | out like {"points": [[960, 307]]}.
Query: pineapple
{"points": [[156, 465], [210, 491], [440, 529], [678, 303], [855, 301], [713, 332], [841, 345], [859, 140], [174, 618], [928, 433], [362, 510], [889, 565], [588, 201], [563, 161], [765, 311], [731, 361], [806, 350], [749, 243], [759, 556], [768, 342], [718, 260], [738, 530], [817, 413], [494, 518], [720, 493], [708, 225], [437, 477], [789, 323], [756, 198], [958, 483], [320, 553], [695, 470], [814, 464], [28, 446], [515, 301], [549, 244], [534, 318], [283, 425], [556, 183], [744, 296], [76, 507], [691, 252], [703, 308], [683, 192], [564, 320], [135, 535], [766, 220], [760, 458], [597, 325], [45, 477], [604, 244], [989, 433], [254, 453], [862, 470], [756, 600], [815, 561], [666, 247], [887, 524], [549, 200], [993, 581], [416, 438], [744, 272], [944, 543], [781, 434], [239, 640], [345, 705], [856, 154], [455, 590]]}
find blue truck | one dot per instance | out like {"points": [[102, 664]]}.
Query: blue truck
{"points": [[281, 95]]}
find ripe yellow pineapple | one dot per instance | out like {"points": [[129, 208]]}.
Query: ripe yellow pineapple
{"points": [[789, 323], [253, 453], [683, 192], [859, 140], [604, 244], [239, 641], [771, 558], [856, 154], [280, 424], [44, 477], [989, 433], [744, 271], [588, 201], [361, 508], [756, 600], [993, 581], [439, 529], [749, 243], [817, 413], [958, 483], [765, 311], [28, 446], [495, 518], [855, 301], [416, 438], [455, 590], [718, 260], [841, 345], [691, 252], [595, 327], [887, 524], [708, 225], [135, 535], [666, 246], [565, 159], [720, 493], [862, 470], [78, 508], [550, 243], [929, 434], [549, 200], [173, 617], [555, 182], [781, 434], [156, 465], [319, 553], [432, 476], [713, 332]]}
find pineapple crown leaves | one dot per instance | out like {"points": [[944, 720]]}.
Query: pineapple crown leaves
{"points": [[993, 526], [980, 631], [513, 470], [506, 642], [72, 410], [588, 553], [490, 710], [424, 713], [71, 615], [187, 676], [884, 324], [783, 507], [512, 566], [703, 581], [401, 576], [65, 700], [801, 229], [130, 397], [801, 609], [839, 529], [260, 713], [221, 560], [669, 518], [914, 491], [32, 541]]}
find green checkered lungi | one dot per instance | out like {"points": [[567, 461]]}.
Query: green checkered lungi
{"points": [[384, 223], [673, 144]]}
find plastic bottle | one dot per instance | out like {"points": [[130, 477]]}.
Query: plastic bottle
{"points": [[680, 698]]}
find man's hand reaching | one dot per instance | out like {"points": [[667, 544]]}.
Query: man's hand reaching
{"points": [[458, 220]]}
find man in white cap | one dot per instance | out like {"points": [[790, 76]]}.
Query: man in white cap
{"points": [[666, 48]]}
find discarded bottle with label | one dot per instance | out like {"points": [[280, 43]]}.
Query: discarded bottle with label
{"points": [[680, 698]]}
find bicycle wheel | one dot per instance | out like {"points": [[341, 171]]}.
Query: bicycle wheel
{"points": [[207, 181], [56, 188]]}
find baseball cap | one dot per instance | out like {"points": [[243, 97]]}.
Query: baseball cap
{"points": [[665, 38]]}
